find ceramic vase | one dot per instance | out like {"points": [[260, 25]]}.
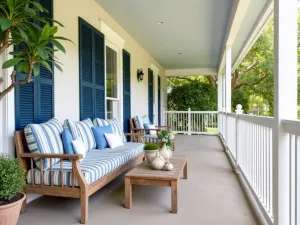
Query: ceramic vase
{"points": [[150, 155], [158, 162], [168, 166], [165, 152]]}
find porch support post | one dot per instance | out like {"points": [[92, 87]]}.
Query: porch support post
{"points": [[285, 101], [220, 101], [228, 78]]}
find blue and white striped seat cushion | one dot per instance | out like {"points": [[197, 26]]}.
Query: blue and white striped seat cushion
{"points": [[150, 138], [140, 121], [115, 125], [94, 166], [82, 129], [45, 139]]}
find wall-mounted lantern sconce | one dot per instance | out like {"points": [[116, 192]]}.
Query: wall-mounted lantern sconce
{"points": [[140, 75]]}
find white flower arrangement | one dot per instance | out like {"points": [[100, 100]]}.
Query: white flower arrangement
{"points": [[166, 137]]}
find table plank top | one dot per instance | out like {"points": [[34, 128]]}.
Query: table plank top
{"points": [[145, 171]]}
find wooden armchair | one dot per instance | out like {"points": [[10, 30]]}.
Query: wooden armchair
{"points": [[149, 139]]}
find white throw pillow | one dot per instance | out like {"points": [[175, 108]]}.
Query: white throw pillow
{"points": [[114, 140], [79, 147], [152, 132]]}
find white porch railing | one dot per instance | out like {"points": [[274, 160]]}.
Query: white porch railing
{"points": [[192, 122], [249, 139]]}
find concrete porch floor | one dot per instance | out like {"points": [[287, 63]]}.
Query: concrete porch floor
{"points": [[210, 196]]}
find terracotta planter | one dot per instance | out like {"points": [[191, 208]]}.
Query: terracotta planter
{"points": [[9, 214]]}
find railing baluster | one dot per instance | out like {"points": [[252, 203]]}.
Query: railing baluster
{"points": [[41, 171]]}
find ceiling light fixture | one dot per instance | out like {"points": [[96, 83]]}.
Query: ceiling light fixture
{"points": [[160, 22], [179, 53]]}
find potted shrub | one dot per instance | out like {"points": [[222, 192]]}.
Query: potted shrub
{"points": [[150, 151], [12, 180]]}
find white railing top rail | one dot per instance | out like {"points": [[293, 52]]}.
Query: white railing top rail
{"points": [[291, 126], [259, 120], [191, 111], [231, 114]]}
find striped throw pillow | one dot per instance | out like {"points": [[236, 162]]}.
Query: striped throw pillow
{"points": [[115, 125], [138, 122], [45, 139], [145, 119], [82, 129]]}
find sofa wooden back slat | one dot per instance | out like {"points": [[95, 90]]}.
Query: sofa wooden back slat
{"points": [[21, 147]]}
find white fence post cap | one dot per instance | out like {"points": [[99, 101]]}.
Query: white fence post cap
{"points": [[239, 109]]}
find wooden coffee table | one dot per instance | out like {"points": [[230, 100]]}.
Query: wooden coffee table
{"points": [[143, 174]]}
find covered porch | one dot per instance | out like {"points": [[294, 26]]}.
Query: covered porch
{"points": [[211, 195]]}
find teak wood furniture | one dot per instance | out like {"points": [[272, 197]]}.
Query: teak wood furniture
{"points": [[143, 174], [83, 191], [133, 130]]}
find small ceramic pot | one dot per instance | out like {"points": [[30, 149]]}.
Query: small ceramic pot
{"points": [[158, 162], [150, 155], [165, 152], [168, 166]]}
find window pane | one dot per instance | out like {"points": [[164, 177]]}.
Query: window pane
{"points": [[112, 109], [111, 73]]}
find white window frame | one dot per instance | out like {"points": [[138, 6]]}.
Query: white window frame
{"points": [[115, 42]]}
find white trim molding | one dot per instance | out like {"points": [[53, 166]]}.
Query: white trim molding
{"points": [[191, 72], [238, 12], [111, 35], [256, 31]]}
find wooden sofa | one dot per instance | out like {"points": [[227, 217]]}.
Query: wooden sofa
{"points": [[142, 131], [83, 191]]}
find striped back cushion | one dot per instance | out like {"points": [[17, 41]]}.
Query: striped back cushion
{"points": [[45, 139], [145, 119], [82, 129], [115, 125], [138, 122]]}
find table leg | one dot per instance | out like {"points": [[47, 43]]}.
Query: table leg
{"points": [[174, 185], [185, 172], [128, 193]]}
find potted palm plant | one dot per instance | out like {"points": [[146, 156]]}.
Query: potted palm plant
{"points": [[12, 180], [30, 39]]}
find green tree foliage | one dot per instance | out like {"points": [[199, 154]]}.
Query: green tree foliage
{"points": [[192, 93]]}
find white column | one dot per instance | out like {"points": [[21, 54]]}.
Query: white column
{"points": [[220, 101], [228, 78], [285, 101]]}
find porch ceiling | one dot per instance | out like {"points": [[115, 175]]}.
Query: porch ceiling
{"points": [[196, 28]]}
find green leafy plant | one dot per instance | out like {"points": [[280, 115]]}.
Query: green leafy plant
{"points": [[32, 36], [166, 137], [12, 177], [151, 146]]}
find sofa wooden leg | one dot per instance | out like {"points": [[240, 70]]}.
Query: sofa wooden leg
{"points": [[84, 204], [24, 204]]}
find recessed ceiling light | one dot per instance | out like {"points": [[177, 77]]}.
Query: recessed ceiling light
{"points": [[160, 22], [179, 53]]}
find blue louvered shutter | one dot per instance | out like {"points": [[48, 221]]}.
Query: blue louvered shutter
{"points": [[92, 75], [126, 91], [150, 95], [99, 75], [34, 102], [159, 101]]}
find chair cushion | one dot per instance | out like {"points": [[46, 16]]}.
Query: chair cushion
{"points": [[115, 125], [150, 138], [67, 139], [138, 122], [94, 166], [145, 119], [99, 132], [150, 126], [45, 138], [82, 129]]}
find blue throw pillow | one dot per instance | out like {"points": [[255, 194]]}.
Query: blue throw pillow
{"points": [[67, 141], [100, 137], [146, 125]]}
